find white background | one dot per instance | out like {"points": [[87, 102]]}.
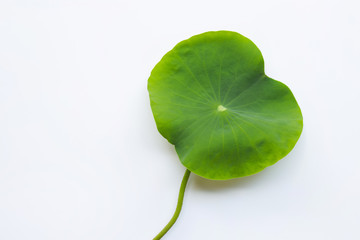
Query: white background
{"points": [[80, 155]]}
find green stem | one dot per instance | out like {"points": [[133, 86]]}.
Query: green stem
{"points": [[178, 207]]}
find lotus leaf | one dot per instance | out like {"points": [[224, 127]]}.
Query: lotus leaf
{"points": [[210, 98]]}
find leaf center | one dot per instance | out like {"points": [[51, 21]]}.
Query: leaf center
{"points": [[221, 108]]}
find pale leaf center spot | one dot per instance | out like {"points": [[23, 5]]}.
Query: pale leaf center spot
{"points": [[221, 108]]}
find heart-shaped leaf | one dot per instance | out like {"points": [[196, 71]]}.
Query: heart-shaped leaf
{"points": [[211, 98]]}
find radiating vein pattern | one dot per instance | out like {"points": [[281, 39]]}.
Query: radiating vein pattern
{"points": [[211, 98]]}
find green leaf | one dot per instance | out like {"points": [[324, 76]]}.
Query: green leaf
{"points": [[211, 98]]}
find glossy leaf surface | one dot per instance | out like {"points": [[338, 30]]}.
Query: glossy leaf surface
{"points": [[211, 98]]}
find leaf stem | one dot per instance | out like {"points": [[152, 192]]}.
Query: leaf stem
{"points": [[178, 207]]}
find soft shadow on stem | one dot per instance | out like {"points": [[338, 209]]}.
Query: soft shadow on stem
{"points": [[178, 207]]}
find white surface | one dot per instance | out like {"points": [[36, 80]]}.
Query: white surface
{"points": [[80, 156]]}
